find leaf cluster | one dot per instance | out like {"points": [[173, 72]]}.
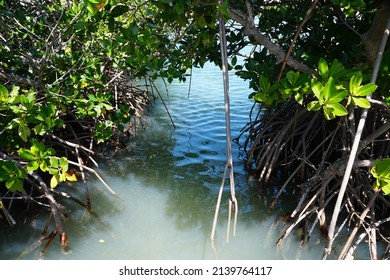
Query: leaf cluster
{"points": [[381, 173], [330, 90], [333, 88]]}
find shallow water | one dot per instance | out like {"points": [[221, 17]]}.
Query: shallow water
{"points": [[168, 186]]}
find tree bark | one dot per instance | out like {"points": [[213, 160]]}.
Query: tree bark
{"points": [[372, 38]]}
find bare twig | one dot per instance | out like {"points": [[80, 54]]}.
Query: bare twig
{"points": [[165, 106], [357, 226], [97, 175], [299, 29]]}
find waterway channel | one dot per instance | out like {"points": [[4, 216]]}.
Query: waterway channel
{"points": [[168, 184]]}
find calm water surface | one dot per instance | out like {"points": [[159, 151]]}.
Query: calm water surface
{"points": [[168, 185]]}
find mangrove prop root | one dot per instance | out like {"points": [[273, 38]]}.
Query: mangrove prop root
{"points": [[355, 146], [86, 190], [54, 206], [49, 240], [358, 224], [97, 175], [233, 204], [217, 207], [6, 214]]}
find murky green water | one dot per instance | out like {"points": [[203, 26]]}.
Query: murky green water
{"points": [[169, 185]]}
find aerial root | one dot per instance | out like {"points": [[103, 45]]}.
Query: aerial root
{"points": [[233, 205]]}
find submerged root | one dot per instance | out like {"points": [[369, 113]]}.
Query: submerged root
{"points": [[311, 154]]}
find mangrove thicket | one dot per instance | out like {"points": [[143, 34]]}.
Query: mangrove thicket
{"points": [[318, 70]]}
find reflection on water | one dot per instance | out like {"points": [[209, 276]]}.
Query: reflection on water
{"points": [[168, 185]]}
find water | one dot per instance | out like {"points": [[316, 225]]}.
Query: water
{"points": [[168, 186]]}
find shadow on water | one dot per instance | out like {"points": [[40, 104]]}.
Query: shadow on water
{"points": [[168, 184]]}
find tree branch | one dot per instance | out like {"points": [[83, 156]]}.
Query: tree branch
{"points": [[274, 49], [19, 80]]}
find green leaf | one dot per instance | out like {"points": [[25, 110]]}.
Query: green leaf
{"points": [[24, 131], [386, 189], [3, 94], [119, 10], [21, 173], [337, 109], [3, 175], [26, 154], [274, 87], [62, 177], [36, 148], [134, 30], [317, 89], [245, 75], [303, 81], [43, 166], [328, 113], [53, 162], [313, 106], [261, 97], [179, 8], [64, 164], [286, 92], [15, 91], [336, 69], [14, 184], [234, 60], [7, 168], [292, 77], [40, 129], [49, 151], [79, 26], [13, 123], [366, 89], [329, 90], [323, 69], [354, 82], [299, 98], [28, 101], [264, 84], [381, 172], [12, 175], [337, 96], [32, 166], [53, 182], [360, 102], [53, 171], [90, 8], [381, 168], [223, 9]]}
